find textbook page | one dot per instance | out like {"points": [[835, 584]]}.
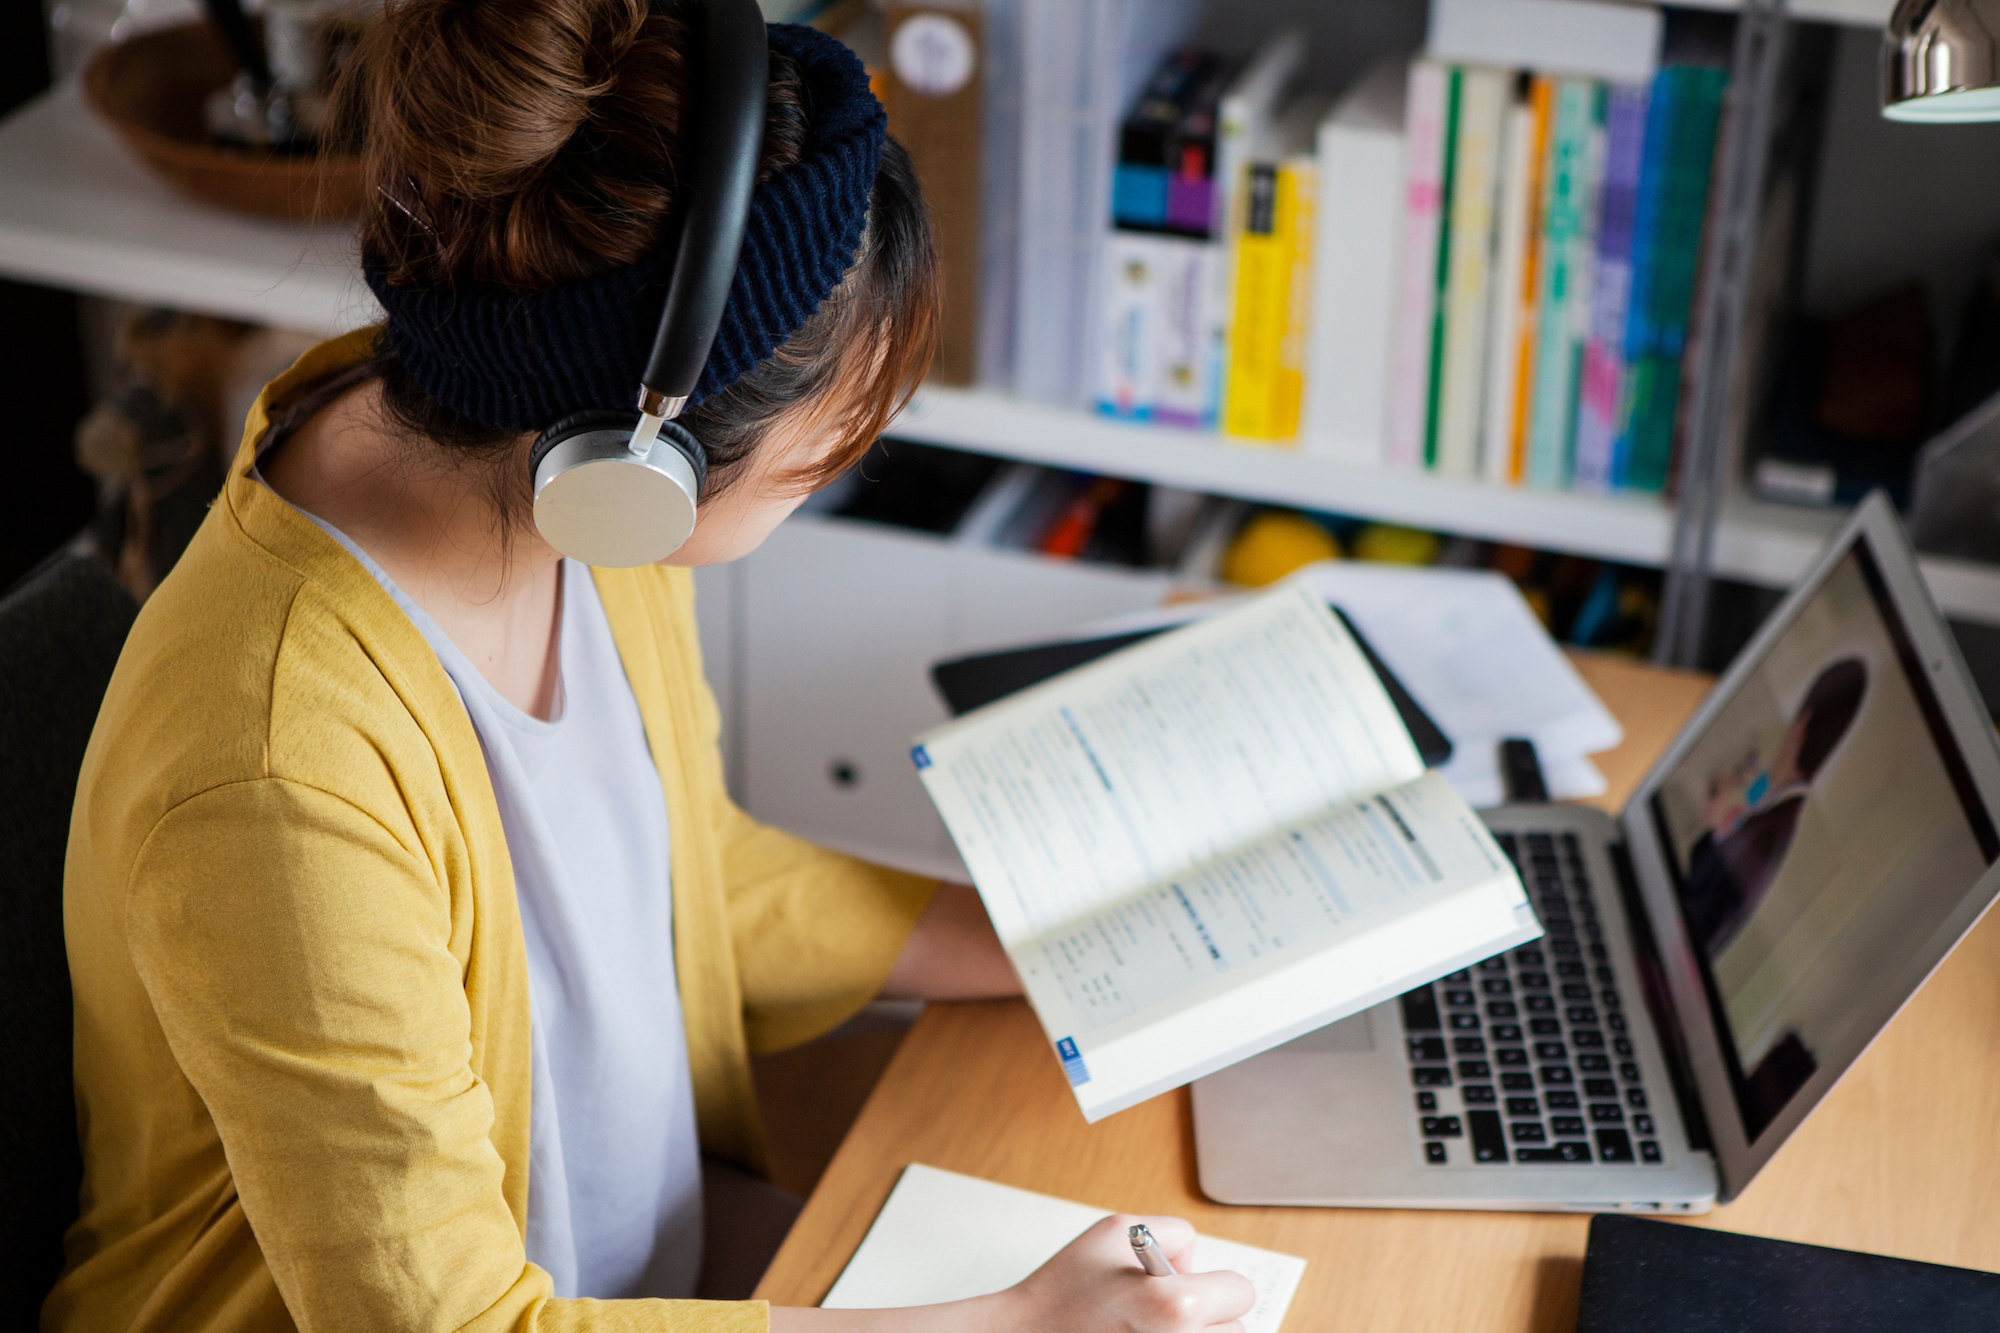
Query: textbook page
{"points": [[947, 1237], [1079, 792], [1212, 842]]}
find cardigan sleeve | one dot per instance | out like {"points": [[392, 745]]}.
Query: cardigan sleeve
{"points": [[815, 932], [300, 959]]}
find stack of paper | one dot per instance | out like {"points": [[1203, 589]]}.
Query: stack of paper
{"points": [[946, 1237]]}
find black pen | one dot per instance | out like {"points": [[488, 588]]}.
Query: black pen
{"points": [[1148, 1252]]}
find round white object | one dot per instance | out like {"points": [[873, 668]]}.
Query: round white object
{"points": [[616, 513], [932, 54]]}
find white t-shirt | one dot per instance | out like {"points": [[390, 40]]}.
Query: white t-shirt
{"points": [[614, 1173]]}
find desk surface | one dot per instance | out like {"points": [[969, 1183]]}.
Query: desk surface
{"points": [[1903, 1158]]}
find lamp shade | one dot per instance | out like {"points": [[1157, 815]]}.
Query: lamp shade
{"points": [[1941, 61]]}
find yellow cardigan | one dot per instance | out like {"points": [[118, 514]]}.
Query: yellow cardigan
{"points": [[302, 1065]]}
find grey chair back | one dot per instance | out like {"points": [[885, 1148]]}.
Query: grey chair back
{"points": [[61, 629]]}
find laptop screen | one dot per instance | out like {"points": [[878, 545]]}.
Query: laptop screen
{"points": [[1823, 820]]}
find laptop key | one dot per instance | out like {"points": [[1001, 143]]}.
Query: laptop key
{"points": [[1523, 1106], [1462, 977], [1460, 999], [1528, 956], [1649, 1150], [1594, 1064], [1534, 981], [1506, 1031], [1502, 1009], [1614, 1145], [1527, 1131], [1474, 1069], [1420, 1010], [1502, 986], [1569, 967], [1460, 1022], [1600, 1087], [1511, 1055], [1622, 1045], [1427, 1050], [1629, 1072], [1431, 1076], [1494, 964], [1540, 1004], [1642, 1123], [1489, 1141], [1552, 1074], [1566, 1124], [1551, 1050], [1561, 1152], [1441, 1127], [1581, 1015], [1476, 1094], [1636, 1098], [1561, 1099], [1545, 1027], [1615, 1021], [1576, 990], [1606, 1113], [1427, 1101], [1462, 1046], [1434, 1153], [1518, 1082], [1587, 1037]]}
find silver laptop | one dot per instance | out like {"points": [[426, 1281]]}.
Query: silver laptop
{"points": [[1810, 847]]}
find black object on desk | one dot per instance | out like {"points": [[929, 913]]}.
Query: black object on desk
{"points": [[967, 683], [1521, 772], [1640, 1276]]}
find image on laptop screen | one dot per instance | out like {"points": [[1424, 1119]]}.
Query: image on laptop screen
{"points": [[1824, 821]]}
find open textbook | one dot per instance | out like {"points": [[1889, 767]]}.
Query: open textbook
{"points": [[1211, 842], [946, 1237]]}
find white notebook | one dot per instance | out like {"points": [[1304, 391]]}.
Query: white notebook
{"points": [[921, 1252], [1211, 842]]}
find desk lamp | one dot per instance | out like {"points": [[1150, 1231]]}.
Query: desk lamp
{"points": [[1941, 61]]}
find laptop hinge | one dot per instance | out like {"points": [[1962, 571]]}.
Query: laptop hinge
{"points": [[1659, 1002]]}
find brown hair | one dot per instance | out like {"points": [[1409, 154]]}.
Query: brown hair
{"points": [[523, 143]]}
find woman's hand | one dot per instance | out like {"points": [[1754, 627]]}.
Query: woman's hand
{"points": [[952, 954], [1093, 1285]]}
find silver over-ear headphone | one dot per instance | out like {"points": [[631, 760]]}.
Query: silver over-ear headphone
{"points": [[618, 488]]}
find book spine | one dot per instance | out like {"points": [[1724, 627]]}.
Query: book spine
{"points": [[1604, 349], [1544, 100], [1503, 338], [1128, 357], [1186, 389], [1267, 338], [1564, 272], [1440, 311], [1658, 324], [1357, 215], [1476, 160], [1423, 197]]}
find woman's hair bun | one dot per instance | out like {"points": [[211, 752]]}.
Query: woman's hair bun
{"points": [[522, 143]]}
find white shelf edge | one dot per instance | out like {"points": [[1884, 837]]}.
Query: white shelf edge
{"points": [[1759, 543]]}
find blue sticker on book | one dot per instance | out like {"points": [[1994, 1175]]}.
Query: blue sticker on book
{"points": [[1072, 1062], [920, 757]]}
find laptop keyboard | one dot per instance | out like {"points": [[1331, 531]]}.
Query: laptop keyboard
{"points": [[1534, 1042]]}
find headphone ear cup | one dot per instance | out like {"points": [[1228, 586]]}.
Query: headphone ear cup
{"points": [[599, 503]]}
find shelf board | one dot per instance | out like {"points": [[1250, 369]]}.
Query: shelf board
{"points": [[79, 211], [1856, 13], [1755, 542]]}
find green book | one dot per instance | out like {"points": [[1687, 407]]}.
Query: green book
{"points": [[1453, 95]]}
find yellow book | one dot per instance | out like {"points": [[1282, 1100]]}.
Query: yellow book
{"points": [[1267, 344]]}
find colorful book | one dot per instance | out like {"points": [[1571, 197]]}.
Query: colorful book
{"points": [[1416, 301], [1267, 340], [1569, 190], [1681, 127], [1512, 340], [1611, 289], [1474, 192], [1128, 358]]}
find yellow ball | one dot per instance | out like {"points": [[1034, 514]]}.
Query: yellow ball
{"points": [[1395, 546], [1272, 545]]}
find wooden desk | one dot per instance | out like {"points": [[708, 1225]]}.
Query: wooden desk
{"points": [[1903, 1158]]}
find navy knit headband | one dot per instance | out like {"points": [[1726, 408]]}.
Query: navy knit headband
{"points": [[523, 361]]}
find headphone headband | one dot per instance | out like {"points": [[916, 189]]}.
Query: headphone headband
{"points": [[733, 90]]}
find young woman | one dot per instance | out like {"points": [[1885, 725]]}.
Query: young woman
{"points": [[418, 952]]}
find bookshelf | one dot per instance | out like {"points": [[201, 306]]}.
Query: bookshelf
{"points": [[78, 212]]}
